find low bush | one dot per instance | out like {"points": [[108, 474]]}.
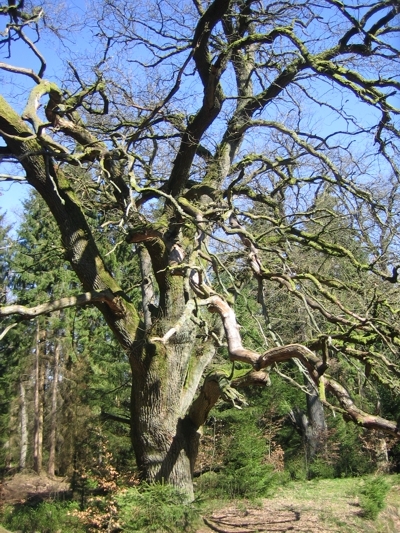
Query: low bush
{"points": [[156, 508], [372, 496], [46, 517]]}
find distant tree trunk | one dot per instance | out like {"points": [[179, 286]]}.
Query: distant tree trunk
{"points": [[24, 426], [382, 456], [53, 412], [312, 424], [38, 406], [315, 432]]}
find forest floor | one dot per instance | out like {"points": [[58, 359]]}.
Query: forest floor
{"points": [[22, 487], [320, 506]]}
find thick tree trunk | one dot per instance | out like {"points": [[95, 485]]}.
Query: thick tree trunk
{"points": [[53, 413], [166, 451], [167, 365], [164, 440]]}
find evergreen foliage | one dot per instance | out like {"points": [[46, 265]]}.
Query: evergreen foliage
{"points": [[244, 470], [373, 496], [46, 517], [93, 372], [156, 508], [8, 360]]}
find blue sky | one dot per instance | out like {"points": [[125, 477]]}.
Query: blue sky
{"points": [[12, 194]]}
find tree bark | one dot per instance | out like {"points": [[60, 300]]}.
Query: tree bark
{"points": [[53, 412], [38, 406], [316, 434], [23, 426], [311, 424], [167, 365]]}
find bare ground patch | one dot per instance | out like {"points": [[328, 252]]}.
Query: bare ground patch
{"points": [[272, 516], [22, 487]]}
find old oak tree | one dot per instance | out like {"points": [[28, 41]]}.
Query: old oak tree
{"points": [[241, 147]]}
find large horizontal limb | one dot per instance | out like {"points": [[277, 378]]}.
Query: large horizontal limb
{"points": [[63, 303], [237, 352], [356, 415]]}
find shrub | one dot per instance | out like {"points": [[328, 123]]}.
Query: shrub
{"points": [[321, 468], [252, 480], [156, 508], [352, 459], [295, 468], [245, 472], [46, 517], [373, 496]]}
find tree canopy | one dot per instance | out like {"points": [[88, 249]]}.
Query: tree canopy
{"points": [[248, 151]]}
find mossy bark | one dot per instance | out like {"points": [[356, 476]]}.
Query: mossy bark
{"points": [[164, 438]]}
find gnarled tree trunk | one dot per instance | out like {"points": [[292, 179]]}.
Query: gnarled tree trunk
{"points": [[167, 364]]}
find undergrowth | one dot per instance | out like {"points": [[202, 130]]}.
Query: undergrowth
{"points": [[45, 517], [245, 471], [372, 496], [156, 508]]}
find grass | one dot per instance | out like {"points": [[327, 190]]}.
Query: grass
{"points": [[340, 505]]}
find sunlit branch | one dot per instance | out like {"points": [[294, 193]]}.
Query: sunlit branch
{"points": [[63, 303], [7, 329], [10, 177], [20, 70]]}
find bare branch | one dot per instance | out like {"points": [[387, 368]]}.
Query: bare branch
{"points": [[7, 329], [116, 418], [48, 307], [10, 177], [20, 70]]}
